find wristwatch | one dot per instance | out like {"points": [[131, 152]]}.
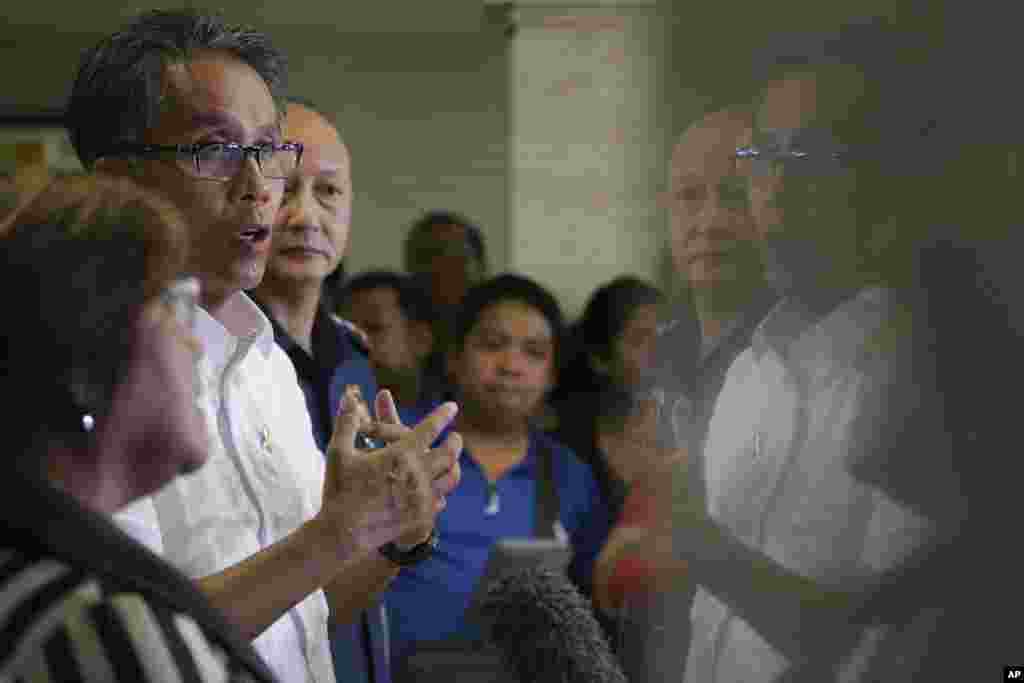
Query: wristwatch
{"points": [[413, 555]]}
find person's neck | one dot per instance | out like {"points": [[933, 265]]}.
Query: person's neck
{"points": [[215, 303], [294, 309], [716, 308], [478, 434], [81, 476]]}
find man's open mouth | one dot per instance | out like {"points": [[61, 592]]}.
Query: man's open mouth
{"points": [[255, 233]]}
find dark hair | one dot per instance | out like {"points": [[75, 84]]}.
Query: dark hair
{"points": [[118, 92], [882, 82], [508, 287], [413, 301], [81, 258], [609, 309], [604, 318], [421, 230]]}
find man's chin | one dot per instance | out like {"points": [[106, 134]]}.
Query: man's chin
{"points": [[248, 275]]}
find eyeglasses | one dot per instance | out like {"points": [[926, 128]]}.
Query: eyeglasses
{"points": [[222, 161], [182, 297], [763, 160]]}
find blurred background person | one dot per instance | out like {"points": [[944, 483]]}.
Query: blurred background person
{"points": [[610, 356], [507, 341], [446, 255], [398, 319], [714, 248], [100, 354], [837, 160]]}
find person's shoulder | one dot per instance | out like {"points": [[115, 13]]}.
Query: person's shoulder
{"points": [[41, 596], [562, 454]]}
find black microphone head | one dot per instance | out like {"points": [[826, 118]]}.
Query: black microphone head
{"points": [[546, 630]]}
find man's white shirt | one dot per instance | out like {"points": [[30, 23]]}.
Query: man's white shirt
{"points": [[795, 410], [263, 479]]}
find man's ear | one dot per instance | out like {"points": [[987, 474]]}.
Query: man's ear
{"points": [[421, 339]]}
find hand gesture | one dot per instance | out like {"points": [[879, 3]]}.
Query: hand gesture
{"points": [[391, 493], [634, 451]]}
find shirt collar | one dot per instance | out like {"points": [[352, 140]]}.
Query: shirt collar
{"points": [[328, 340], [783, 325], [788, 321], [242, 324], [742, 326]]}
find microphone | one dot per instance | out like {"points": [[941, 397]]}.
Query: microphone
{"points": [[546, 631]]}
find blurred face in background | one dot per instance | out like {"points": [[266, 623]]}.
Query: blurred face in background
{"points": [[713, 234], [448, 263], [801, 185], [632, 351], [506, 365], [398, 345]]}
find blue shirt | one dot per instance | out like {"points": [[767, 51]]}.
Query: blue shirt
{"points": [[427, 601], [360, 649]]}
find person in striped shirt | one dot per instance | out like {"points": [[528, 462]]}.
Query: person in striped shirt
{"points": [[97, 375]]}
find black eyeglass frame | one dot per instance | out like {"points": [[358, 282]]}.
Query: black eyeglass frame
{"points": [[195, 149], [837, 160]]}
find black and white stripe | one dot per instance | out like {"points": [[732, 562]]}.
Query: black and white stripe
{"points": [[57, 624]]}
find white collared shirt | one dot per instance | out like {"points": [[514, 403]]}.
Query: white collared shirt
{"points": [[796, 409], [263, 479]]}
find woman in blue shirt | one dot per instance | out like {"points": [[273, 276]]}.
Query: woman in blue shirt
{"points": [[503, 363]]}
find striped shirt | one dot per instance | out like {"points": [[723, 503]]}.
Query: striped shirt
{"points": [[62, 624]]}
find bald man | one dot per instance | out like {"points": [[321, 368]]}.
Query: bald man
{"points": [[714, 247], [310, 236]]}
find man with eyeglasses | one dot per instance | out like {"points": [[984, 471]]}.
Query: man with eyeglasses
{"points": [[187, 104], [787, 539]]}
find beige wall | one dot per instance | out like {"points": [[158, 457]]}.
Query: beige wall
{"points": [[554, 140]]}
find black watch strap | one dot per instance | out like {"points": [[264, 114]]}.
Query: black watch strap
{"points": [[414, 555]]}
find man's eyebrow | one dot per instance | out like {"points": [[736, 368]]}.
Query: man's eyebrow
{"points": [[220, 120]]}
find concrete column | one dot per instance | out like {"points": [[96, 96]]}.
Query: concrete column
{"points": [[587, 142]]}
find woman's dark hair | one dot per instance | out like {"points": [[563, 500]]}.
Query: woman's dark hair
{"points": [[80, 260], [604, 318], [508, 287], [609, 310], [118, 92]]}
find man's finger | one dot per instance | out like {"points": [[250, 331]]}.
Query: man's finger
{"points": [[446, 483], [388, 433], [346, 424], [444, 458], [430, 427], [386, 410]]}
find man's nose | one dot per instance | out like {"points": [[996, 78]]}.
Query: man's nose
{"points": [[251, 185], [511, 361]]}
